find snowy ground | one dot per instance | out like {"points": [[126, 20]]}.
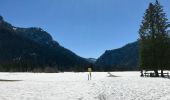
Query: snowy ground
{"points": [[75, 86]]}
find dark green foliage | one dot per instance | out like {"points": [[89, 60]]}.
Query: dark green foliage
{"points": [[125, 58], [154, 40], [32, 49]]}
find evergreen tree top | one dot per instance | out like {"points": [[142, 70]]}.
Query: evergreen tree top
{"points": [[157, 2]]}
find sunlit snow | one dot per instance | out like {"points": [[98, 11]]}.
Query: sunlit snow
{"points": [[75, 86]]}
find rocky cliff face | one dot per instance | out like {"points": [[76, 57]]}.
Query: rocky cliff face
{"points": [[38, 35]]}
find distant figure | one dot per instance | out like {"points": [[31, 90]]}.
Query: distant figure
{"points": [[89, 75]]}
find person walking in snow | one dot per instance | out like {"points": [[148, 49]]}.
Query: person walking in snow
{"points": [[89, 75], [89, 70]]}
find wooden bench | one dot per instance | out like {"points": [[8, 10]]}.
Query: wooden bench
{"points": [[146, 74], [165, 74]]}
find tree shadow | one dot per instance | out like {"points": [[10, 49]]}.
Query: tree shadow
{"points": [[4, 80]]}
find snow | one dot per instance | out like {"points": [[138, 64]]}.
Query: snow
{"points": [[75, 86], [14, 28]]}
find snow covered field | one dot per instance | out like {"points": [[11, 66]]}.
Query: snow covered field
{"points": [[75, 86]]}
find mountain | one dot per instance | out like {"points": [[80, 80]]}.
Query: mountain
{"points": [[125, 58], [37, 35], [33, 49], [91, 60]]}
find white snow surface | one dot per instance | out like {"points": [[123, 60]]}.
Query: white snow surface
{"points": [[75, 86]]}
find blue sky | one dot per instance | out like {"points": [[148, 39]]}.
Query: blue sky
{"points": [[87, 27]]}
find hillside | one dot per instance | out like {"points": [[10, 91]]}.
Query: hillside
{"points": [[33, 49], [125, 58]]}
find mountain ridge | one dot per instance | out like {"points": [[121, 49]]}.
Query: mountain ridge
{"points": [[124, 58], [32, 48]]}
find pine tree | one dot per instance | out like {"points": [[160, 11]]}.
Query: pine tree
{"points": [[162, 36], [146, 34], [154, 39]]}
